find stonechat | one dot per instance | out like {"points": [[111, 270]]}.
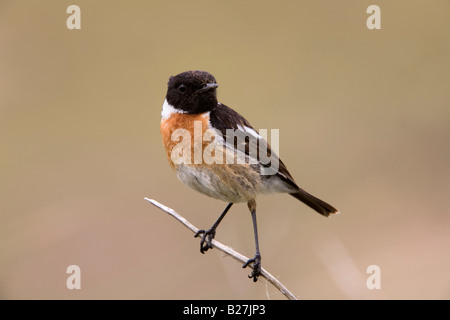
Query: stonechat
{"points": [[216, 151]]}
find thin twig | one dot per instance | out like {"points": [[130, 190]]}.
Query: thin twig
{"points": [[225, 249]]}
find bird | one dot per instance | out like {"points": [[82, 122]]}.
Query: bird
{"points": [[216, 151]]}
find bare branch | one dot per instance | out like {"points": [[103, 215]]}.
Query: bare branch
{"points": [[225, 249]]}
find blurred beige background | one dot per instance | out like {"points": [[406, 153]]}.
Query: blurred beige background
{"points": [[364, 119]]}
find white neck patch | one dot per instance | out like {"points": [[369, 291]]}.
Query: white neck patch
{"points": [[168, 110]]}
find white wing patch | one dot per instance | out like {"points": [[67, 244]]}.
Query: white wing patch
{"points": [[250, 131]]}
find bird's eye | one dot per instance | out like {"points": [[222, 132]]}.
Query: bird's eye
{"points": [[182, 88]]}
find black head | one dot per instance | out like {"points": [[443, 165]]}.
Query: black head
{"points": [[192, 91]]}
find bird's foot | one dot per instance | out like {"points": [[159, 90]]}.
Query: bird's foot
{"points": [[256, 267], [206, 241]]}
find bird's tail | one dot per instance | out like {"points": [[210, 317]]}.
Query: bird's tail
{"points": [[320, 206]]}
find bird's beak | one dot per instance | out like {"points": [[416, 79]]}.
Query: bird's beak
{"points": [[208, 87]]}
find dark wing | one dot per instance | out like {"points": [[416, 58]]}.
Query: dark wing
{"points": [[255, 147], [223, 118]]}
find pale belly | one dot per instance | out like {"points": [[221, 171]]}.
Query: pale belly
{"points": [[235, 183]]}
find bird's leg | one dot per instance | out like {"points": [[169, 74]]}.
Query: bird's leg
{"points": [[208, 235], [257, 259]]}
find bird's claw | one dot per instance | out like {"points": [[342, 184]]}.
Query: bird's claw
{"points": [[206, 240], [256, 272]]}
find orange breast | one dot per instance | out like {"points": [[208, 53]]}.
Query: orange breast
{"points": [[185, 129]]}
